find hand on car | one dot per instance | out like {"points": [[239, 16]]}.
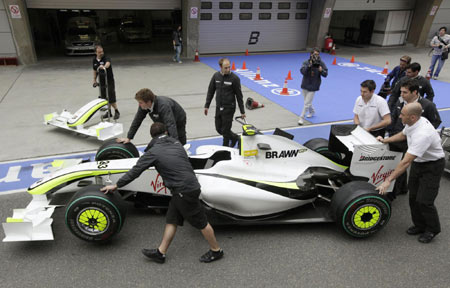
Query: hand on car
{"points": [[381, 139], [206, 111], [382, 189], [108, 188], [123, 140]]}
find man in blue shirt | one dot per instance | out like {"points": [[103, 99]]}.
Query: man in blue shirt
{"points": [[396, 74]]}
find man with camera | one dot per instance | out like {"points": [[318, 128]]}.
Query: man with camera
{"points": [[440, 44], [312, 70]]}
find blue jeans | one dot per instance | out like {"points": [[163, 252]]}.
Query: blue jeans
{"points": [[177, 53], [434, 59]]}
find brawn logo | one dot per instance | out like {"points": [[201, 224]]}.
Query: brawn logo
{"points": [[284, 153]]}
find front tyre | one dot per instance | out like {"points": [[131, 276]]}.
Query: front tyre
{"points": [[111, 150], [93, 216], [359, 210]]}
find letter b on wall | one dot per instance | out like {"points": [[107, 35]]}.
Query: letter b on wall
{"points": [[254, 36]]}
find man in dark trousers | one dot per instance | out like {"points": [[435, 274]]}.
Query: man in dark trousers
{"points": [[100, 61], [160, 109], [227, 87], [172, 163], [427, 160], [410, 94], [412, 72], [177, 41]]}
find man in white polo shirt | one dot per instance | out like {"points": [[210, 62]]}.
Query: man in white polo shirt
{"points": [[371, 111], [426, 157]]}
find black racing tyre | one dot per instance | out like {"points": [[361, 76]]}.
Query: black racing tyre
{"points": [[93, 216], [320, 145], [111, 150], [359, 210]]}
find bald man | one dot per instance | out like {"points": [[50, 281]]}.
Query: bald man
{"points": [[426, 158]]}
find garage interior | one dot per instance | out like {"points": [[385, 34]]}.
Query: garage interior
{"points": [[112, 30]]}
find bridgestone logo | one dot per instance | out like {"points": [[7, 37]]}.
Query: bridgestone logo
{"points": [[378, 158]]}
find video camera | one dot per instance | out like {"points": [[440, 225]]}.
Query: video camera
{"points": [[314, 60]]}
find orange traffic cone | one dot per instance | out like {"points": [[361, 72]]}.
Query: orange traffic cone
{"points": [[428, 74], [258, 74], [285, 89], [334, 61], [246, 52], [353, 59], [385, 70], [233, 67], [244, 67], [333, 50], [196, 59], [289, 77], [251, 104]]}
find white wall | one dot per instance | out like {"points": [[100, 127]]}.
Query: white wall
{"points": [[7, 47]]}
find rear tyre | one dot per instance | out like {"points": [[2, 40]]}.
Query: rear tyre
{"points": [[111, 150], [359, 210], [93, 216], [320, 145]]}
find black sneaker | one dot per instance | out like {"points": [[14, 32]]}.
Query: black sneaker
{"points": [[105, 116], [155, 255], [414, 230], [427, 236], [116, 115], [211, 256]]}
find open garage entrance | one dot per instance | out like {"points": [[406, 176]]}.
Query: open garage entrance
{"points": [[74, 32]]}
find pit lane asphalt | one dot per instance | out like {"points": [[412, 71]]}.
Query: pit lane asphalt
{"points": [[307, 255]]}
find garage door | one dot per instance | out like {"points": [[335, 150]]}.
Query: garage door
{"points": [[105, 4], [234, 26], [346, 5]]}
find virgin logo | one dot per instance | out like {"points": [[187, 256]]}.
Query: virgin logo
{"points": [[158, 185], [381, 176]]}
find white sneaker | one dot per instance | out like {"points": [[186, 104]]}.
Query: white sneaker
{"points": [[300, 121], [435, 77], [310, 114], [180, 62]]}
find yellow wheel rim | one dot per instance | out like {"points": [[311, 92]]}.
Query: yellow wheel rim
{"points": [[93, 221], [366, 217]]}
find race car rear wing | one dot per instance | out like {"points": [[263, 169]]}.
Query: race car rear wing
{"points": [[366, 156]]}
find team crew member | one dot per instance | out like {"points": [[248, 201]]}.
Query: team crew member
{"points": [[371, 111], [100, 61], [161, 109], [172, 163], [396, 74], [412, 72], [410, 94], [227, 87], [426, 158]]}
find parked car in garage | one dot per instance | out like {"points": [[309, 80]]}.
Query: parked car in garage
{"points": [[81, 36], [133, 30]]}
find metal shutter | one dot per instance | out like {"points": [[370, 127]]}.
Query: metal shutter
{"points": [[106, 4], [256, 35], [344, 5]]}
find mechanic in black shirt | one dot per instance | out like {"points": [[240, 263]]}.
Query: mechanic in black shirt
{"points": [[227, 87], [100, 61], [410, 94], [172, 163], [412, 72], [161, 109]]}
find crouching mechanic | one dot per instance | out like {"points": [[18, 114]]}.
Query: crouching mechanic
{"points": [[427, 160], [161, 109], [172, 163]]}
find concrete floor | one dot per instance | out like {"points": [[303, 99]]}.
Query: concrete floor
{"points": [[54, 84]]}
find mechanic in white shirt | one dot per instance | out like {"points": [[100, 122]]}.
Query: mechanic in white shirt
{"points": [[371, 111], [427, 160]]}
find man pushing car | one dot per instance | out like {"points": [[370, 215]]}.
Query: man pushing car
{"points": [[172, 163]]}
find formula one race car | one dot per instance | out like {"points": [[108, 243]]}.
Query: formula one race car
{"points": [[269, 179]]}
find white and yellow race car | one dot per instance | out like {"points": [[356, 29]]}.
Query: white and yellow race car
{"points": [[270, 179]]}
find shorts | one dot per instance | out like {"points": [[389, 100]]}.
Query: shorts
{"points": [[111, 93], [186, 206]]}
